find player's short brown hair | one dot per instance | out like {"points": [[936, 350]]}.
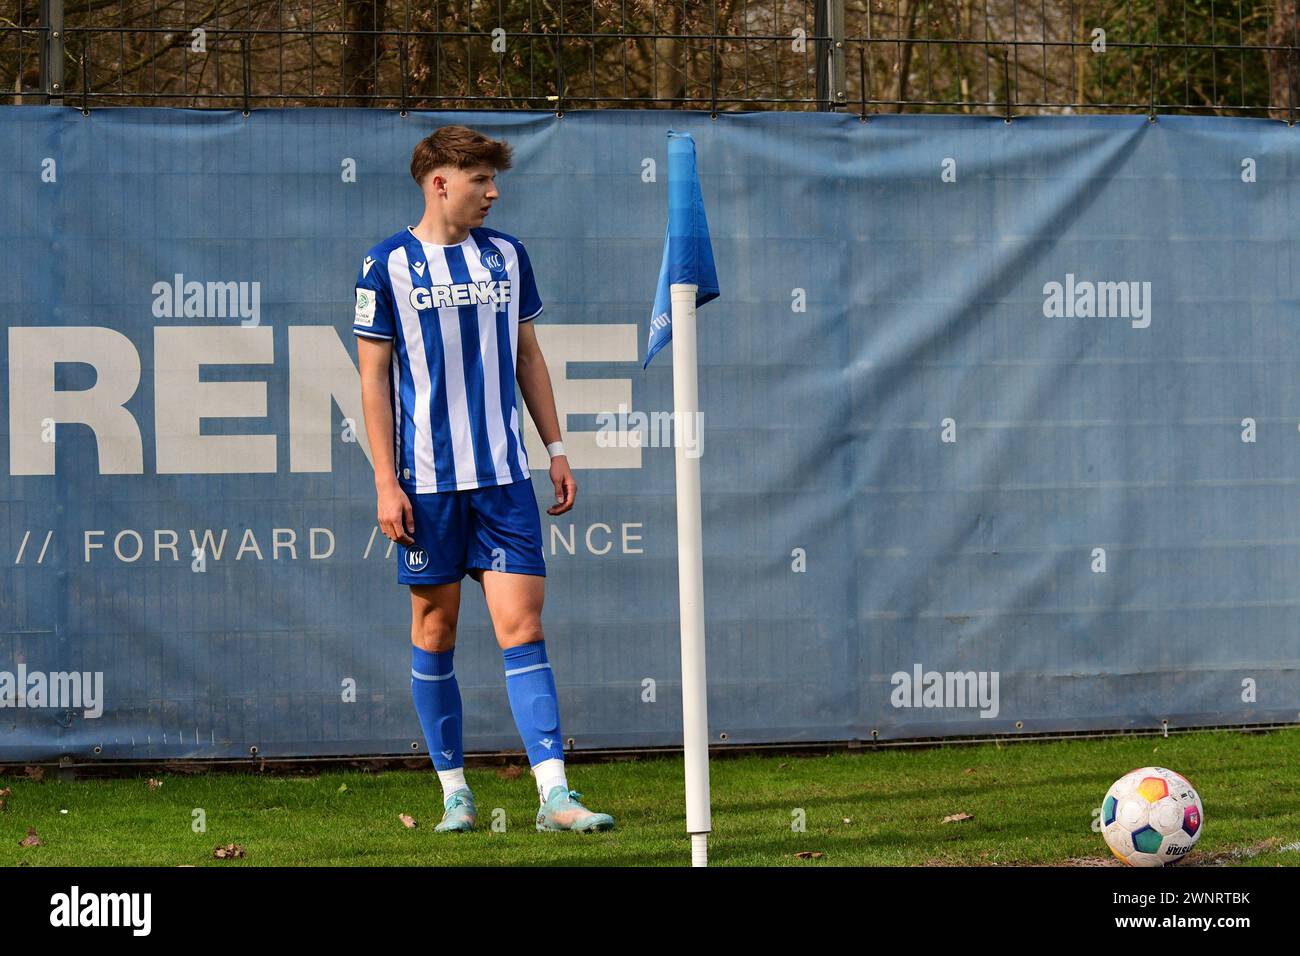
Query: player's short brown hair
{"points": [[459, 147]]}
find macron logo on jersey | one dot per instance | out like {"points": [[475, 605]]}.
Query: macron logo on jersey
{"points": [[495, 291], [365, 266]]}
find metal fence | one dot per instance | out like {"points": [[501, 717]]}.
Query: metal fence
{"points": [[967, 56]]}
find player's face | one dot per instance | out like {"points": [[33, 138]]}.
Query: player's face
{"points": [[470, 194]]}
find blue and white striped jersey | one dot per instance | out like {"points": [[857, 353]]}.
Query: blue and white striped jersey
{"points": [[453, 314]]}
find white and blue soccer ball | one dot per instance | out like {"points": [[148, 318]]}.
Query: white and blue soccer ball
{"points": [[1151, 817]]}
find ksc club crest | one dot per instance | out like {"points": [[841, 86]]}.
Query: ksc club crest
{"points": [[492, 260], [416, 559]]}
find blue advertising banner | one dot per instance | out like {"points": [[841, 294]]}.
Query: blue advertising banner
{"points": [[999, 429]]}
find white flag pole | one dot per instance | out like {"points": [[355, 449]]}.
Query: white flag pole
{"points": [[690, 576]]}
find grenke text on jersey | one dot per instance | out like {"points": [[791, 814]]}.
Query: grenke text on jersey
{"points": [[462, 293]]}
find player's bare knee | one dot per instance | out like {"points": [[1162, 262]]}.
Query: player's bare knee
{"points": [[435, 644], [433, 634], [527, 632]]}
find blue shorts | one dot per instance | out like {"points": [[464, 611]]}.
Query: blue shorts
{"points": [[496, 528]]}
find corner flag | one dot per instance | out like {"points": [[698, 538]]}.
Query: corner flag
{"points": [[688, 254], [687, 279]]}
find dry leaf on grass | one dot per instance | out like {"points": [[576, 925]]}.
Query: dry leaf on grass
{"points": [[154, 784], [35, 773], [969, 770], [228, 852], [31, 839], [408, 821], [511, 773], [810, 854], [958, 817]]}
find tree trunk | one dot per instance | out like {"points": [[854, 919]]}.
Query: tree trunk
{"points": [[1284, 65], [670, 72], [905, 57], [361, 52]]}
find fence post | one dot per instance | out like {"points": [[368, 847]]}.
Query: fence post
{"points": [[713, 76], [401, 68], [52, 52], [862, 78], [243, 52], [559, 65], [1290, 85], [1006, 81], [835, 16], [828, 22], [1151, 116]]}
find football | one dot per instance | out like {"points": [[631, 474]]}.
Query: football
{"points": [[1151, 817]]}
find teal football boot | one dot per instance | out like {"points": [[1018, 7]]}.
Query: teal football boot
{"points": [[562, 811], [459, 813]]}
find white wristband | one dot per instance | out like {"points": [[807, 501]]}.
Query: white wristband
{"points": [[555, 448]]}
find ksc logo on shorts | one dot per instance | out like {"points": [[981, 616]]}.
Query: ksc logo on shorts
{"points": [[416, 559], [492, 260]]}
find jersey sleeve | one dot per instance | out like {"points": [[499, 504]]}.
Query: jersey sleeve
{"points": [[372, 316], [530, 303]]}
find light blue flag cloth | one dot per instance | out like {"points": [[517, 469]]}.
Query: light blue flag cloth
{"points": [[688, 255]]}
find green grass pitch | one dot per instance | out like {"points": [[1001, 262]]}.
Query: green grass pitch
{"points": [[1028, 803]]}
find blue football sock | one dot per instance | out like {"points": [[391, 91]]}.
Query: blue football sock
{"points": [[437, 701], [533, 701]]}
